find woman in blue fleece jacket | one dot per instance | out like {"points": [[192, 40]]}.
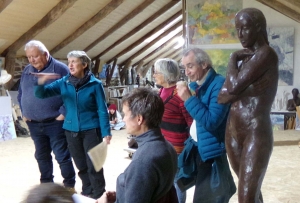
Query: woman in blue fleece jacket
{"points": [[86, 122], [214, 182]]}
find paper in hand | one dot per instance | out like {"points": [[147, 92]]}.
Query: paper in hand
{"points": [[98, 155], [82, 199]]}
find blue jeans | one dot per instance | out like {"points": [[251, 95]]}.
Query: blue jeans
{"points": [[93, 183], [48, 137]]}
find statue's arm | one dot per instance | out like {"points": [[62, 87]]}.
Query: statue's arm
{"points": [[238, 79]]}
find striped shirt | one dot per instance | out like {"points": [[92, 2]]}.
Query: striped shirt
{"points": [[176, 120]]}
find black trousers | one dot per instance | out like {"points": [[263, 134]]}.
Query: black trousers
{"points": [[93, 183]]}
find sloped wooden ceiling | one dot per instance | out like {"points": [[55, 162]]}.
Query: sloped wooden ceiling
{"points": [[124, 31], [290, 8]]}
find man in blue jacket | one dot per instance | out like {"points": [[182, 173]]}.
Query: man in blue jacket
{"points": [[45, 117], [213, 180]]}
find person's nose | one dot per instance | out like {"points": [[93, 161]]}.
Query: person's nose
{"points": [[187, 72], [240, 33]]}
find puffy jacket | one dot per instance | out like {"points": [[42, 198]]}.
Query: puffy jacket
{"points": [[210, 116]]}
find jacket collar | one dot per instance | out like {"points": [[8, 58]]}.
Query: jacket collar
{"points": [[209, 77]]}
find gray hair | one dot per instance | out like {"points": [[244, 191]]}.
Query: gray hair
{"points": [[201, 56], [169, 68], [147, 103], [84, 58], [38, 44]]}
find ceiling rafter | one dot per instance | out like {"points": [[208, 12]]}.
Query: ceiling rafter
{"points": [[112, 5], [124, 20], [49, 18], [149, 34], [4, 4], [167, 43], [284, 8], [164, 56], [138, 28], [174, 53], [174, 27]]}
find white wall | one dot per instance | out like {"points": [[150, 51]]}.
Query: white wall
{"points": [[276, 19]]}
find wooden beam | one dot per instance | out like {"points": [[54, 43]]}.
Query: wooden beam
{"points": [[184, 18], [142, 50], [137, 69], [49, 18], [167, 43], [124, 73], [88, 24], [160, 56], [109, 76], [4, 4], [281, 8], [121, 23], [96, 67], [10, 60], [292, 4], [176, 51], [138, 28], [149, 34]]}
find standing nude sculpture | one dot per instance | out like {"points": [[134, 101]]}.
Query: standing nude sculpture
{"points": [[250, 87]]}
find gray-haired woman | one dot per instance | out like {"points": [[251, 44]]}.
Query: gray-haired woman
{"points": [[86, 122], [176, 120]]}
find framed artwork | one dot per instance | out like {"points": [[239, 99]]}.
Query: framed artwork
{"points": [[277, 121], [212, 21], [2, 63], [282, 41], [7, 126]]}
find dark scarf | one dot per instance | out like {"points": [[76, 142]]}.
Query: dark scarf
{"points": [[79, 82]]}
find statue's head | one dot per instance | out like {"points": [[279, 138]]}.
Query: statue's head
{"points": [[250, 24]]}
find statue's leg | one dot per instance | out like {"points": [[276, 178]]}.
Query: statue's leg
{"points": [[233, 153], [253, 165]]}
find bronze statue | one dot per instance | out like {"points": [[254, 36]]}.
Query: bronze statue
{"points": [[250, 87], [295, 101]]}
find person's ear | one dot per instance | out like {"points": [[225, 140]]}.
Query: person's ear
{"points": [[85, 65], [140, 119], [204, 66]]}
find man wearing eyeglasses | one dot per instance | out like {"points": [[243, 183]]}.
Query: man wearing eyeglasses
{"points": [[213, 180]]}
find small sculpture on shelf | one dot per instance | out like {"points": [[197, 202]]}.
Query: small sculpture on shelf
{"points": [[295, 101]]}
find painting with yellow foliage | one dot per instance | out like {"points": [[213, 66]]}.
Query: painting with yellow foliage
{"points": [[212, 21], [219, 59]]}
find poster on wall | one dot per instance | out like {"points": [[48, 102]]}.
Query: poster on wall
{"points": [[7, 126], [2, 63], [219, 58], [212, 21], [282, 41]]}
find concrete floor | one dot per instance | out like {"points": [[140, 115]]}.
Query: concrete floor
{"points": [[19, 171]]}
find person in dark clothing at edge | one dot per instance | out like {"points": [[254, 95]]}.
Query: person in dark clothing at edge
{"points": [[150, 175], [45, 117]]}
